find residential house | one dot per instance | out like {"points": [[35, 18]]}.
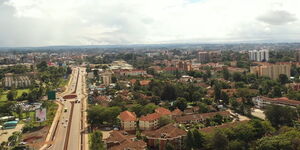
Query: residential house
{"points": [[128, 120], [149, 122], [120, 140], [176, 113], [158, 139]]}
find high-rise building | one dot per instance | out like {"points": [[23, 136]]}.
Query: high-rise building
{"points": [[272, 70], [106, 78], [184, 65], [211, 56], [259, 55]]}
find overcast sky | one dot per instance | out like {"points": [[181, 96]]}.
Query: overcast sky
{"points": [[98, 22]]}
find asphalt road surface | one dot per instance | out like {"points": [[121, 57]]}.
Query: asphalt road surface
{"points": [[64, 139]]}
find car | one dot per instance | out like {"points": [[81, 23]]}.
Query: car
{"points": [[116, 129], [107, 129]]}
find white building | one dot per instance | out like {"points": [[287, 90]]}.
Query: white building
{"points": [[262, 102], [259, 55]]}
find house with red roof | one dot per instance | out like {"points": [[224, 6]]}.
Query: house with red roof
{"points": [[176, 113], [159, 138], [128, 120], [149, 122], [163, 111], [120, 140]]}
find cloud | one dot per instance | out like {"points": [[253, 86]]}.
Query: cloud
{"points": [[85, 22], [278, 17]]}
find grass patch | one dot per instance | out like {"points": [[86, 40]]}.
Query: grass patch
{"points": [[3, 97]]}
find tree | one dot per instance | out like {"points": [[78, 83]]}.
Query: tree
{"points": [[19, 111], [180, 103], [164, 120], [98, 115], [280, 115], [218, 119], [283, 79], [169, 92], [217, 91], [276, 92], [169, 146], [237, 145], [225, 98], [96, 142], [226, 74], [261, 128], [289, 140], [203, 108], [11, 95], [198, 142], [189, 140], [219, 141], [42, 66]]}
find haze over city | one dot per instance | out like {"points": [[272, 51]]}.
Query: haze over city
{"points": [[149, 75]]}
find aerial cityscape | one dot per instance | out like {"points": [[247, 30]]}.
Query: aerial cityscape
{"points": [[149, 75]]}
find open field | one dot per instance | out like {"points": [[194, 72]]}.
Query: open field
{"points": [[3, 97]]}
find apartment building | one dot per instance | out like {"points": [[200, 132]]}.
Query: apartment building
{"points": [[106, 78], [259, 55], [205, 56], [158, 139], [16, 81], [149, 122], [262, 102], [128, 120], [271, 70]]}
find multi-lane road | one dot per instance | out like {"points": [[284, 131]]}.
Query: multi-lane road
{"points": [[68, 132]]}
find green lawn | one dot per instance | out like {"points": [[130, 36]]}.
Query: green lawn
{"points": [[19, 93]]}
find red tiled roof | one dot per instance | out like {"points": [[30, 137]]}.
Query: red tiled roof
{"points": [[282, 100], [134, 145], [201, 116], [123, 141], [102, 98], [127, 116], [144, 82], [170, 69], [132, 81], [163, 111], [177, 112], [150, 117], [167, 131]]}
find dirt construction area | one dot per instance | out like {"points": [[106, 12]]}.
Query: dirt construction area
{"points": [[36, 139]]}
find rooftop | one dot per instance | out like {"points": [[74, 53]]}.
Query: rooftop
{"points": [[127, 116], [150, 117], [163, 111], [167, 131]]}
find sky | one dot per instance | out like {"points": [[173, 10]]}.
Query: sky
{"points": [[113, 22]]}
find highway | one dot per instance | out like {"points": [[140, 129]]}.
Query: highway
{"points": [[67, 134]]}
